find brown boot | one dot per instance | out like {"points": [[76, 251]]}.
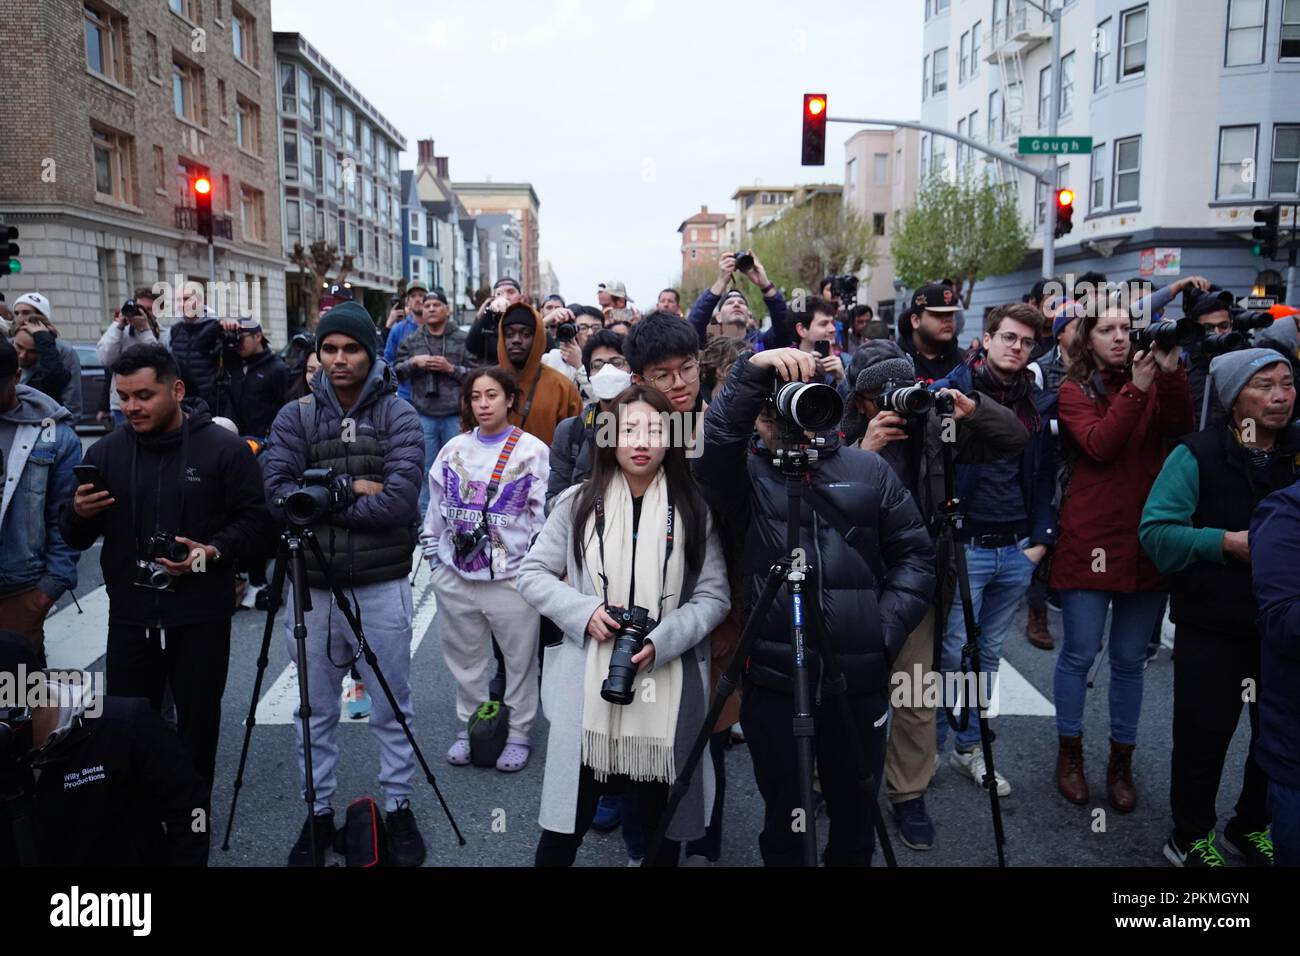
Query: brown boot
{"points": [[1120, 788], [1036, 630], [1069, 770]]}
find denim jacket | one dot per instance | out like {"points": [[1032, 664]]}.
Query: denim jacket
{"points": [[38, 481]]}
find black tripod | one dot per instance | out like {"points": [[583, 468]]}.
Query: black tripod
{"points": [[947, 520], [292, 558], [795, 465]]}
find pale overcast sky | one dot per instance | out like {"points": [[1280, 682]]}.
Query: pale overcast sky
{"points": [[625, 115]]}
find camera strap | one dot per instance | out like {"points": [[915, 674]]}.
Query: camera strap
{"points": [[532, 391], [668, 553]]}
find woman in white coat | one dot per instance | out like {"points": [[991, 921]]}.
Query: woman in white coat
{"points": [[635, 534]]}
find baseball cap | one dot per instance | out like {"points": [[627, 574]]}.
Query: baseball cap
{"points": [[617, 289], [250, 325], [437, 294], [340, 293], [935, 297]]}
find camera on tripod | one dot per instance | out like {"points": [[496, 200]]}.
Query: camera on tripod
{"points": [[634, 625], [911, 399], [152, 575], [809, 406], [1167, 334], [321, 493]]}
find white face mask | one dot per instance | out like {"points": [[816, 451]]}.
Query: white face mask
{"points": [[609, 382]]}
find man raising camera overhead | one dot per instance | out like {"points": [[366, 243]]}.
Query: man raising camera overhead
{"points": [[178, 502], [353, 424], [864, 598]]}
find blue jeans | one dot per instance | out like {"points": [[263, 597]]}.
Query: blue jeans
{"points": [[1284, 805], [1083, 616], [998, 579], [438, 430]]}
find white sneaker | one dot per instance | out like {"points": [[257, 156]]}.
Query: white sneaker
{"points": [[972, 765]]}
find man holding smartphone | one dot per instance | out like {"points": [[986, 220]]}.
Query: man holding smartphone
{"points": [[38, 451], [814, 329]]}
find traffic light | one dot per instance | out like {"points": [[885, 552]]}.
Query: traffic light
{"points": [[203, 205], [1064, 212], [1266, 235], [9, 250], [814, 129]]}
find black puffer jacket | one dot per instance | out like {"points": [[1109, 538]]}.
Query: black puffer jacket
{"points": [[197, 347], [257, 389], [867, 597]]}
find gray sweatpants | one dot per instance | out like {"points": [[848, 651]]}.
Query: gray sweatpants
{"points": [[385, 610]]}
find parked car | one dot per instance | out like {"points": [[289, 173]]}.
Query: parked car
{"points": [[94, 390]]}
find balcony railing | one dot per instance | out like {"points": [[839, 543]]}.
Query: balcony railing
{"points": [[187, 220]]}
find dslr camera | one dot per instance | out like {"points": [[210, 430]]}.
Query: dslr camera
{"points": [[744, 260], [152, 575], [321, 493], [1167, 334], [470, 545], [845, 288], [131, 309], [807, 406], [565, 332], [912, 400], [634, 625]]}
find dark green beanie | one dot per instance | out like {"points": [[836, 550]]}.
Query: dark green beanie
{"points": [[350, 319]]}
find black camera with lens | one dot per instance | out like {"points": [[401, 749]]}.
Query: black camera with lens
{"points": [[470, 545], [131, 309], [744, 260], [909, 398], [634, 626], [845, 288], [152, 575], [1248, 321], [565, 332], [321, 493], [809, 406], [1167, 334], [1223, 343]]}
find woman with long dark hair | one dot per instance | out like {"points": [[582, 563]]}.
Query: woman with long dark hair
{"points": [[636, 534], [1120, 412], [487, 489]]}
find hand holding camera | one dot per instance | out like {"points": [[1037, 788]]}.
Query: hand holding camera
{"points": [[182, 552], [962, 404], [631, 647], [884, 427], [601, 626], [790, 364]]}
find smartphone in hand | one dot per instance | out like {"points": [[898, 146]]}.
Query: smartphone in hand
{"points": [[823, 348], [89, 475]]}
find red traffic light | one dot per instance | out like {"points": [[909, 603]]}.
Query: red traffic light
{"points": [[1065, 197], [814, 129], [1064, 212], [203, 185]]}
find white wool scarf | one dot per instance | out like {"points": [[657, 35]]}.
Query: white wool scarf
{"points": [[635, 739]]}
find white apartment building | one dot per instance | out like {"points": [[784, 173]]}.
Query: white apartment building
{"points": [[881, 174], [1193, 107]]}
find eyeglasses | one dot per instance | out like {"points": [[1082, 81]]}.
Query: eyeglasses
{"points": [[617, 362], [689, 374], [1009, 339]]}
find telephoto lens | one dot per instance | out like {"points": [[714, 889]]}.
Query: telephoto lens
{"points": [[812, 406], [308, 505], [1223, 343], [1250, 321], [1167, 334], [907, 399], [633, 626]]}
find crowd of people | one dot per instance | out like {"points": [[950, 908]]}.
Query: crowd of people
{"points": [[599, 495]]}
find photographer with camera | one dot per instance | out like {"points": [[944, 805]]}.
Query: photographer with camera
{"points": [[178, 501], [38, 452], [927, 331], [857, 328], [905, 424], [413, 317], [1010, 522], [865, 597], [1195, 526], [717, 302], [432, 362], [481, 339], [631, 569], [814, 331], [101, 782], [567, 331], [487, 491], [572, 447], [258, 382], [1121, 419], [202, 344], [365, 446], [133, 324]]}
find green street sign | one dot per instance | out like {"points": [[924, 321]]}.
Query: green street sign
{"points": [[1055, 145]]}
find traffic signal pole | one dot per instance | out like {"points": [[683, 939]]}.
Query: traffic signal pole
{"points": [[1049, 226]]}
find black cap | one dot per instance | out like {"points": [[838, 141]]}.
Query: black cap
{"points": [[935, 297], [436, 294], [341, 292]]}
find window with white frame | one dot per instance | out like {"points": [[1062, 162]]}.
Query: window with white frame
{"points": [[1101, 55], [1097, 194], [1236, 162], [290, 155], [292, 221], [304, 94], [1067, 84], [1289, 42], [247, 124], [1128, 171], [925, 77], [939, 79], [963, 63], [243, 35], [961, 147], [1245, 42], [1284, 179], [187, 91], [880, 169], [995, 116], [114, 165], [1133, 42], [1044, 97], [106, 43], [252, 213], [975, 47]]}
